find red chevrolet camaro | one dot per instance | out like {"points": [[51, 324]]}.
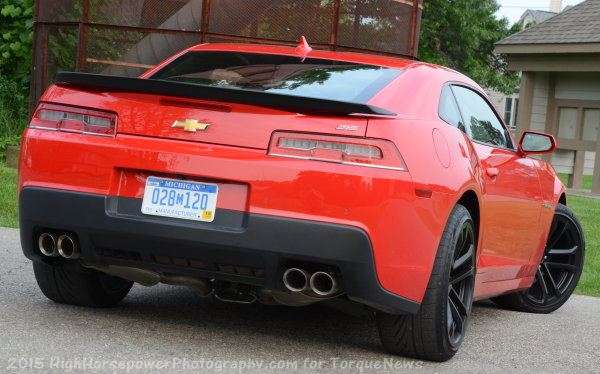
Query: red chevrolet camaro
{"points": [[294, 176]]}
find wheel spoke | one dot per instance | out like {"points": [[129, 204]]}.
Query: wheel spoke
{"points": [[568, 251], [460, 288], [559, 265], [460, 242], [458, 311], [557, 234], [450, 320], [552, 284], [464, 258], [457, 302], [462, 276], [543, 285]]}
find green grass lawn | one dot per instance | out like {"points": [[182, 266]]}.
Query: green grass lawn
{"points": [[586, 184], [8, 197], [588, 211]]}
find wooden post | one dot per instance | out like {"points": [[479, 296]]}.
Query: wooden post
{"points": [[525, 102], [335, 24], [205, 20], [578, 166], [414, 38], [82, 37], [596, 179], [551, 111], [577, 177]]}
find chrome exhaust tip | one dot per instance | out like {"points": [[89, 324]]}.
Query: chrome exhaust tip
{"points": [[295, 280], [47, 245], [323, 284], [67, 247]]}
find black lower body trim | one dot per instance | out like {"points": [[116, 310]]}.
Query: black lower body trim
{"points": [[239, 247]]}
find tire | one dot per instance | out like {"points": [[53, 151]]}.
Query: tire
{"points": [[70, 283], [429, 334], [559, 270]]}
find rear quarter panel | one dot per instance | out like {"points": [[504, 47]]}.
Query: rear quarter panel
{"points": [[440, 160]]}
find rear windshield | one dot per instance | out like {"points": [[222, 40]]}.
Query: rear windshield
{"points": [[290, 75]]}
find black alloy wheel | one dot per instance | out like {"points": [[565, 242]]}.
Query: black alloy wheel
{"points": [[460, 287], [559, 270], [560, 265], [437, 330]]}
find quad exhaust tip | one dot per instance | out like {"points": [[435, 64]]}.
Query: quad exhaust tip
{"points": [[47, 245], [320, 283], [67, 247], [323, 284], [295, 280]]}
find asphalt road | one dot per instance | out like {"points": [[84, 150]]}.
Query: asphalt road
{"points": [[166, 329]]}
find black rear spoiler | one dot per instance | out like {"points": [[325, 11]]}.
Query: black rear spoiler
{"points": [[197, 91]]}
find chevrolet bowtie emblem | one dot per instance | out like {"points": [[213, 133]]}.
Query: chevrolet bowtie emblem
{"points": [[190, 125]]}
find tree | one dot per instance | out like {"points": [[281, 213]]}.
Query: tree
{"points": [[16, 30], [16, 24], [461, 34]]}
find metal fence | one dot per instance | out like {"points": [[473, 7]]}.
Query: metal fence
{"points": [[126, 37]]}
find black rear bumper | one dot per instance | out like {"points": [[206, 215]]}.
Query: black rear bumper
{"points": [[238, 247]]}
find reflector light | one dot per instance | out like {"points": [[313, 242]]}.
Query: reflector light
{"points": [[375, 153], [71, 119]]}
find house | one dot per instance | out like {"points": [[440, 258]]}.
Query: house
{"points": [[533, 17], [560, 86], [508, 105]]}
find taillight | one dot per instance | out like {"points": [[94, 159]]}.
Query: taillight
{"points": [[72, 119], [375, 153]]}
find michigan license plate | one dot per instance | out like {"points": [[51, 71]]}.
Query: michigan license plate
{"points": [[180, 199]]}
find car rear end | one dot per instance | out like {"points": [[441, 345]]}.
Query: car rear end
{"points": [[228, 192]]}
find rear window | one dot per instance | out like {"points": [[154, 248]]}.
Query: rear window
{"points": [[290, 75]]}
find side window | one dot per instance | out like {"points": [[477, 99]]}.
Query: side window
{"points": [[448, 110], [480, 119]]}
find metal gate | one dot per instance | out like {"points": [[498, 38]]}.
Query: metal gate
{"points": [[126, 37]]}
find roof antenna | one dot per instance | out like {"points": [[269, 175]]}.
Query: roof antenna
{"points": [[303, 48]]}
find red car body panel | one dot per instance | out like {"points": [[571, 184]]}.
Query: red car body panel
{"points": [[403, 212]]}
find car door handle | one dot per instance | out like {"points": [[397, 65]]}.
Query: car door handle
{"points": [[492, 172]]}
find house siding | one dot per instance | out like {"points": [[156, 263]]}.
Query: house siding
{"points": [[563, 161], [540, 102], [590, 158], [497, 99], [576, 86]]}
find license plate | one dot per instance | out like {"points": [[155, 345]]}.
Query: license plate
{"points": [[180, 199]]}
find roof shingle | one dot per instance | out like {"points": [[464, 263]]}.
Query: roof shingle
{"points": [[538, 16], [579, 24]]}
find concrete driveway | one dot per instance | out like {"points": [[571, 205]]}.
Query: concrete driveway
{"points": [[167, 329]]}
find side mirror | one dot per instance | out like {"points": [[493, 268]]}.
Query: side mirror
{"points": [[536, 143]]}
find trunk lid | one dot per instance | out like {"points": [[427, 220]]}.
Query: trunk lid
{"points": [[232, 124]]}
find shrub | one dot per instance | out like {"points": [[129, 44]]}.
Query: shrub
{"points": [[13, 112], [16, 34], [16, 30]]}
